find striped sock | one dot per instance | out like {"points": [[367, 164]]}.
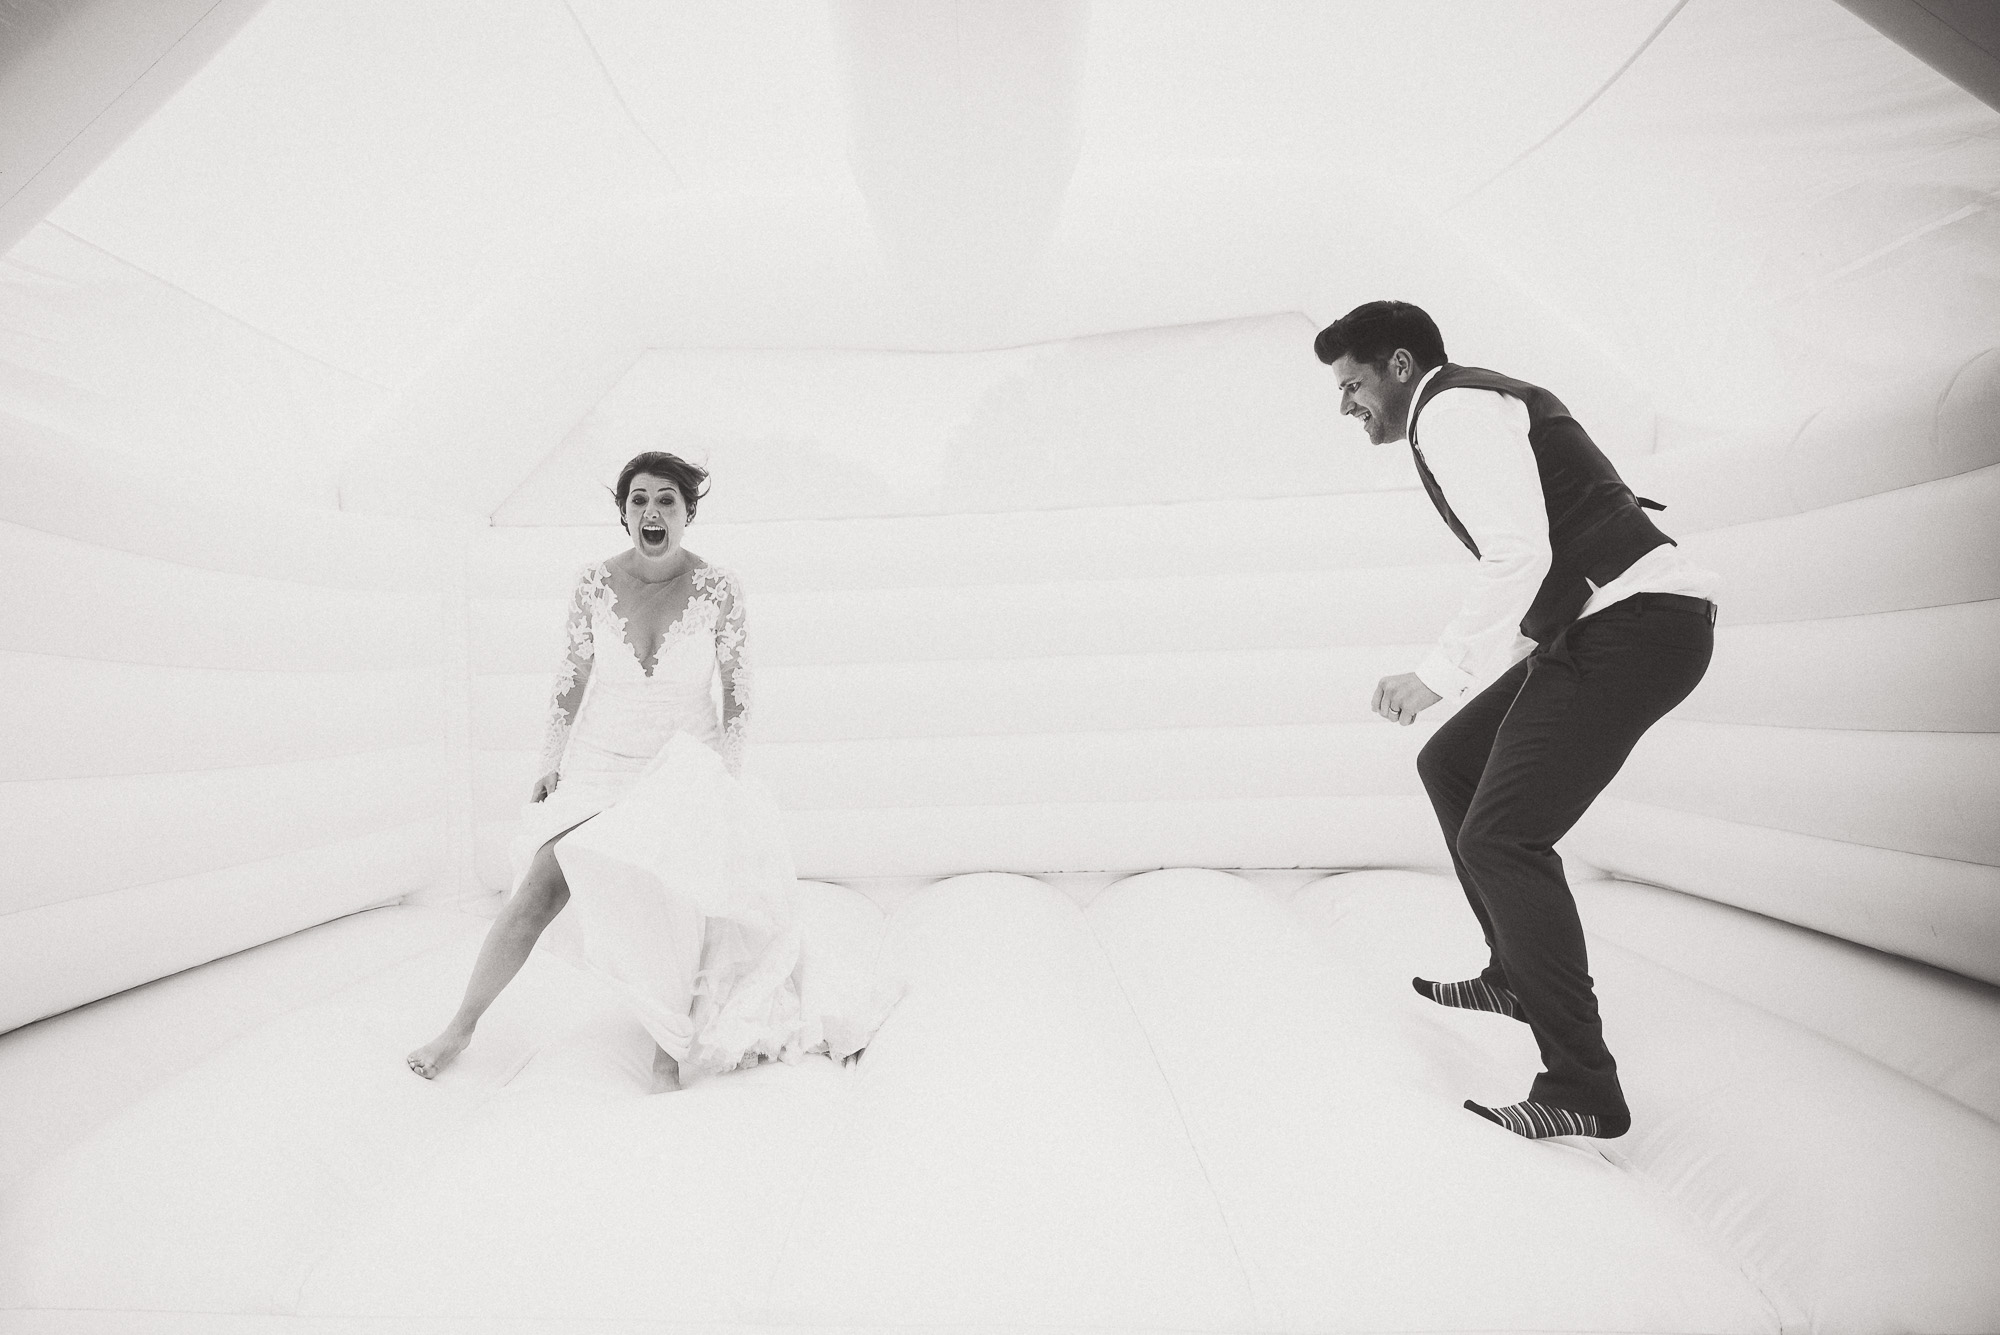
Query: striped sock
{"points": [[1538, 1121], [1474, 994]]}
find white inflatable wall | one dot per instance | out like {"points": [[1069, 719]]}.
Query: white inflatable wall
{"points": [[223, 723], [1839, 767], [1180, 679], [1071, 622], [1184, 681]]}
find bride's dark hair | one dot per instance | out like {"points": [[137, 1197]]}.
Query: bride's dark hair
{"points": [[691, 480]]}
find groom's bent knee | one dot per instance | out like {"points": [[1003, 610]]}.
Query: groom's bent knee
{"points": [[1435, 768], [1487, 844]]}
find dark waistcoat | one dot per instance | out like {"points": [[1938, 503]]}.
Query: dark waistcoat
{"points": [[1597, 527]]}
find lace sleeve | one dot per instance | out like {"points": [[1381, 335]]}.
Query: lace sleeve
{"points": [[573, 675], [732, 660]]}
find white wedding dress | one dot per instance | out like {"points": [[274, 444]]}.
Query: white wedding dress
{"points": [[682, 892]]}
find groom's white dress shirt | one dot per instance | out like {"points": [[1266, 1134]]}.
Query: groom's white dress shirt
{"points": [[1475, 442]]}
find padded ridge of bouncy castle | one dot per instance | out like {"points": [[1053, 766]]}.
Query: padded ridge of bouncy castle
{"points": [[1854, 1196], [1838, 767], [929, 704], [1225, 1095], [1051, 690], [1935, 1026], [224, 723]]}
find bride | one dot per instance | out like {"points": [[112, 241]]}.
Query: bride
{"points": [[683, 887]]}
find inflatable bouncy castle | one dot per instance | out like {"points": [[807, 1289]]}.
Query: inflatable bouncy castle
{"points": [[326, 327]]}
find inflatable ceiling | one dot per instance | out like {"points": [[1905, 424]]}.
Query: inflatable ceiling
{"points": [[325, 325]]}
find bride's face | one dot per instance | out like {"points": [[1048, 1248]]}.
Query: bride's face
{"points": [[655, 515]]}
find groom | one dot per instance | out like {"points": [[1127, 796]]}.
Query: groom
{"points": [[1601, 626]]}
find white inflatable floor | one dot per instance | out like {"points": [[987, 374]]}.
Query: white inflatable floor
{"points": [[1189, 1101]]}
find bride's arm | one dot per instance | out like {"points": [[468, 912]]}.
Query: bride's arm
{"points": [[732, 660], [571, 678]]}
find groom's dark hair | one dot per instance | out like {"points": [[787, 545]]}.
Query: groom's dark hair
{"points": [[1371, 333]]}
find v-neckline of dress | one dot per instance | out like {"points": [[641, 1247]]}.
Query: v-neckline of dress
{"points": [[647, 670]]}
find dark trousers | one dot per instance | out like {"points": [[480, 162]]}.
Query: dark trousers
{"points": [[1513, 770]]}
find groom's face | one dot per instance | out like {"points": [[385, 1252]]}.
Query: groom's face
{"points": [[1378, 395]]}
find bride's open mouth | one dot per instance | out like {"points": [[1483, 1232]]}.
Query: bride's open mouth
{"points": [[652, 534]]}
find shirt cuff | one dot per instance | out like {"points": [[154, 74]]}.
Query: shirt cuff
{"points": [[1445, 678]]}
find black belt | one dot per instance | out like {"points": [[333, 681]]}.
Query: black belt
{"points": [[1674, 602]]}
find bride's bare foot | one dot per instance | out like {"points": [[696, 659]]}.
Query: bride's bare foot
{"points": [[666, 1072], [437, 1054]]}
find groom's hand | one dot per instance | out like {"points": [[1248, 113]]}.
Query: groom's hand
{"points": [[1402, 697]]}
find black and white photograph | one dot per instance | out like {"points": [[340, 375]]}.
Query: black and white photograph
{"points": [[999, 667]]}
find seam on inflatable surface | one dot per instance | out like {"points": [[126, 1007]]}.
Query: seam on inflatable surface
{"points": [[1856, 265], [311, 759], [1576, 115], [337, 1324], [1784, 454], [1808, 834], [342, 673], [1786, 1020], [1768, 1293], [1360, 725], [1675, 725], [1788, 515], [441, 1142], [940, 516], [1771, 1292], [1944, 395], [1180, 1115], [421, 595], [618, 96], [1225, 578], [233, 866], [454, 673], [208, 1054], [206, 304], [834, 1129], [1174, 657], [836, 1125], [395, 899], [420, 666], [1082, 806], [408, 748], [1852, 616]]}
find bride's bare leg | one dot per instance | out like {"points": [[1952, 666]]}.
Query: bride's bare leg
{"points": [[541, 896]]}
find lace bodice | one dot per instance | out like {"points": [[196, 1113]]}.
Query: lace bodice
{"points": [[628, 703]]}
